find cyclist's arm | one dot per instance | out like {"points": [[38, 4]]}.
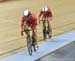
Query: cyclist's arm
{"points": [[22, 24], [50, 15], [40, 15]]}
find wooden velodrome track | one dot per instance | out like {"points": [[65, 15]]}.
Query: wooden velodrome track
{"points": [[10, 16]]}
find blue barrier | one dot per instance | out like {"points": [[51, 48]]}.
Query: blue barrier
{"points": [[44, 49]]}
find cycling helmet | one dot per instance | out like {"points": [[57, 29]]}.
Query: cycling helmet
{"points": [[45, 9], [26, 12]]}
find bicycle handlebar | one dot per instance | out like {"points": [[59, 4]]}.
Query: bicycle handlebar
{"points": [[27, 29]]}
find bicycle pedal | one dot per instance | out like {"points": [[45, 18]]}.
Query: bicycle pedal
{"points": [[50, 36], [47, 32], [37, 47]]}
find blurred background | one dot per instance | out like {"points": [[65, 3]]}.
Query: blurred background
{"points": [[11, 12]]}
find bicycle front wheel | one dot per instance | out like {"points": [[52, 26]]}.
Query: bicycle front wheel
{"points": [[44, 34], [29, 45]]}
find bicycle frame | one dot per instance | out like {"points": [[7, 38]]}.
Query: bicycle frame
{"points": [[30, 43], [45, 27]]}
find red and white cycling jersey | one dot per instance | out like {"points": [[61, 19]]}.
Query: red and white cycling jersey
{"points": [[32, 21]]}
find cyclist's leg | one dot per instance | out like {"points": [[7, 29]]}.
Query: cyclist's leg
{"points": [[49, 28], [29, 43], [34, 34], [44, 23], [25, 28], [44, 29]]}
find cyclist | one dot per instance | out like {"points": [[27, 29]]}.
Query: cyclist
{"points": [[46, 14], [29, 20]]}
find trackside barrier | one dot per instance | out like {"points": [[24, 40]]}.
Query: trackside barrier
{"points": [[44, 49]]}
